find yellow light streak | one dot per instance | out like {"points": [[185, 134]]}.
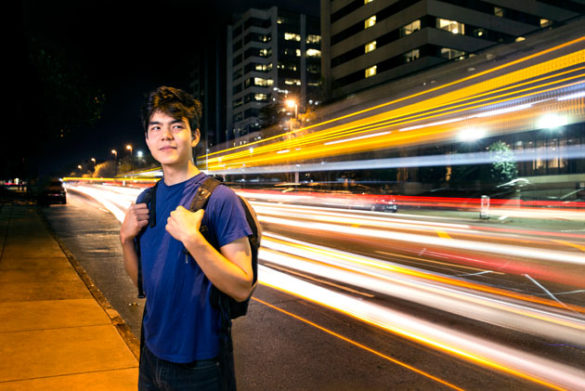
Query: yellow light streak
{"points": [[359, 345], [417, 337], [415, 95]]}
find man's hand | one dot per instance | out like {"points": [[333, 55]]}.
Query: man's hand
{"points": [[136, 218], [183, 224]]}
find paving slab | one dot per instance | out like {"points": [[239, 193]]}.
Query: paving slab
{"points": [[118, 380], [50, 314], [64, 351]]}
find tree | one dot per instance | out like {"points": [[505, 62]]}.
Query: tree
{"points": [[503, 168]]}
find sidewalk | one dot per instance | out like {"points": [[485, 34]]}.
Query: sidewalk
{"points": [[54, 335]]}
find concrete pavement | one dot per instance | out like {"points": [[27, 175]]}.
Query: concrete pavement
{"points": [[56, 331]]}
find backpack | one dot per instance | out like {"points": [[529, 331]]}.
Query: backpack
{"points": [[227, 305]]}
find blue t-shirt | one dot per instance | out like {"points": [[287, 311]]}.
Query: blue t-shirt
{"points": [[180, 324]]}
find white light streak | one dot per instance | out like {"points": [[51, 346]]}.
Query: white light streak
{"points": [[357, 138]]}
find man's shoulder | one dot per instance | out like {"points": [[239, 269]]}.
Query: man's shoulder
{"points": [[145, 194]]}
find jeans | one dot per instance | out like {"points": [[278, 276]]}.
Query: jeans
{"points": [[157, 374]]}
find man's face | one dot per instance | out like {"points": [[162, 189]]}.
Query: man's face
{"points": [[170, 140]]}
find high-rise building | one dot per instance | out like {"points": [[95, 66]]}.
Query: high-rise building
{"points": [[272, 55], [369, 42]]}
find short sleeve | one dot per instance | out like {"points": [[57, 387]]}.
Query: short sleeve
{"points": [[226, 215]]}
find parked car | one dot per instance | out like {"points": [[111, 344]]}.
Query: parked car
{"points": [[53, 192]]}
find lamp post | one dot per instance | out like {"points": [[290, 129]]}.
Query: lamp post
{"points": [[129, 147], [115, 153], [290, 103]]}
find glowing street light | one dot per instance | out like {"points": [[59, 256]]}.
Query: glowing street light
{"points": [[129, 148], [115, 153], [290, 103]]}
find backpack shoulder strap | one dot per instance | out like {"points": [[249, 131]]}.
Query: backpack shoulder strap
{"points": [[149, 197], [203, 193]]}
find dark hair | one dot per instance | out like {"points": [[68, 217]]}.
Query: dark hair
{"points": [[174, 102]]}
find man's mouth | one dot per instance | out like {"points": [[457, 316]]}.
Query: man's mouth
{"points": [[167, 148]]}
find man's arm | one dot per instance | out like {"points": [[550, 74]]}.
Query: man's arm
{"points": [[136, 218], [229, 269]]}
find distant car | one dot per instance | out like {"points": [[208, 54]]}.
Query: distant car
{"points": [[53, 193]]}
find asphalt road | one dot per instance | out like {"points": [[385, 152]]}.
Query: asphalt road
{"points": [[286, 343]]}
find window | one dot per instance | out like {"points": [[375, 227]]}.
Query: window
{"points": [[312, 38], [412, 55], [367, 1], [264, 52], [371, 71], [410, 28], [312, 53], [452, 53], [258, 81], [292, 37], [260, 97], [499, 12], [298, 52], [370, 21], [292, 82], [370, 47], [545, 22], [451, 25], [263, 67]]}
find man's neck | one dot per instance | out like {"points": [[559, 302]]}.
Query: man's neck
{"points": [[174, 175]]}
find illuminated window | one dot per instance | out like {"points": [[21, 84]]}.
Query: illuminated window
{"points": [[412, 55], [451, 25], [545, 22], [367, 1], [298, 52], [370, 47], [260, 97], [499, 12], [264, 52], [312, 38], [520, 39], [258, 81], [452, 53], [410, 28], [280, 20], [370, 21], [292, 37], [313, 53], [292, 82], [371, 71], [263, 67]]}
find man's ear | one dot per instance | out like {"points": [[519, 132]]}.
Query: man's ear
{"points": [[196, 138]]}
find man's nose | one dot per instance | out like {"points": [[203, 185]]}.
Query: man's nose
{"points": [[166, 133]]}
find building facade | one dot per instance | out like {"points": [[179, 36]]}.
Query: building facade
{"points": [[370, 42], [272, 55]]}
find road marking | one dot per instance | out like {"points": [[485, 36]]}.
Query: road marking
{"points": [[564, 242], [443, 234], [359, 345]]}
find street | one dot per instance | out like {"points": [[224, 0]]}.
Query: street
{"points": [[294, 338]]}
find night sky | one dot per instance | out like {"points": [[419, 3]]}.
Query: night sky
{"points": [[125, 48]]}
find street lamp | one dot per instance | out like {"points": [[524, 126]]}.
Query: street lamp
{"points": [[129, 148], [115, 153], [290, 103]]}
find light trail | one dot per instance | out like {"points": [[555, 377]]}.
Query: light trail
{"points": [[359, 345], [488, 94], [542, 317], [470, 348]]}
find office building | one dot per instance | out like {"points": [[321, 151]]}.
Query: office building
{"points": [[370, 42], [272, 55]]}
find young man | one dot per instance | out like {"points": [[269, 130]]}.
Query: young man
{"points": [[182, 347]]}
